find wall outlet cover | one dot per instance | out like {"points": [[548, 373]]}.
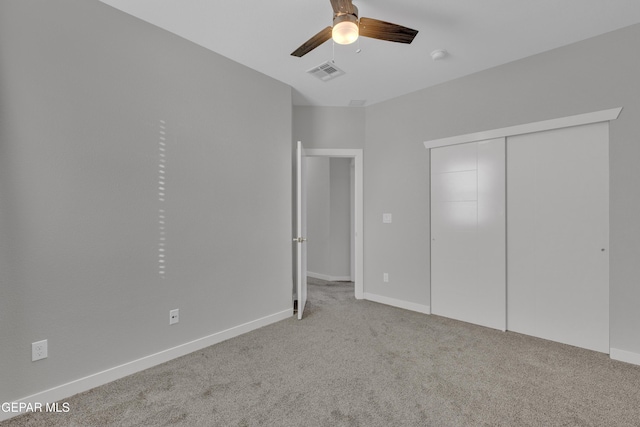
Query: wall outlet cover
{"points": [[174, 316], [39, 350]]}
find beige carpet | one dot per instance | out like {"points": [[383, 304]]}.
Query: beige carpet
{"points": [[358, 363]]}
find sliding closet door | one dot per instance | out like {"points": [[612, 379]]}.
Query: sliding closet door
{"points": [[468, 232], [558, 235]]}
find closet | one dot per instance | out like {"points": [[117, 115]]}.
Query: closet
{"points": [[520, 229], [468, 232], [558, 235]]}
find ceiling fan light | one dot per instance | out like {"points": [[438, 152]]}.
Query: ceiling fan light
{"points": [[345, 32]]}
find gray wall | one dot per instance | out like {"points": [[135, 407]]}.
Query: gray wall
{"points": [[329, 127], [328, 216], [591, 75], [318, 214], [83, 90], [340, 217]]}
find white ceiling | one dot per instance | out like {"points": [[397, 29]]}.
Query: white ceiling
{"points": [[478, 34]]}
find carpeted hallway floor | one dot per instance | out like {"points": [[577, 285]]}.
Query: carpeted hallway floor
{"points": [[358, 363]]}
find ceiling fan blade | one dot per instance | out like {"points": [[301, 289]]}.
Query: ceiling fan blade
{"points": [[382, 30], [342, 6], [312, 43]]}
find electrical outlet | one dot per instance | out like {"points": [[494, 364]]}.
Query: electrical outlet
{"points": [[39, 350], [174, 316], [385, 277]]}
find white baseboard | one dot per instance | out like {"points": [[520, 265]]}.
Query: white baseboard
{"points": [[329, 278], [398, 303], [83, 384], [624, 356]]}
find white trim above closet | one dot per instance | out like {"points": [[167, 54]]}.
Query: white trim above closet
{"points": [[563, 122]]}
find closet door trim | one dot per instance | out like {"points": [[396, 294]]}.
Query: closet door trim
{"points": [[563, 122]]}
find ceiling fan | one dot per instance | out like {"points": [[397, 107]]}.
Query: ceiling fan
{"points": [[347, 27]]}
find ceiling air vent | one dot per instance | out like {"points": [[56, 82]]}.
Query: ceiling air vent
{"points": [[326, 71]]}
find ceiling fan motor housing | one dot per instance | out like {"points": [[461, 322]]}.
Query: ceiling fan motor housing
{"points": [[341, 16]]}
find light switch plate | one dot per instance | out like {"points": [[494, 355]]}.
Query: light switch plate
{"points": [[386, 218]]}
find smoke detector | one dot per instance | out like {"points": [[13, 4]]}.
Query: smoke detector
{"points": [[438, 54]]}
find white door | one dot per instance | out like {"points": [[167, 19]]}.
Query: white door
{"points": [[468, 265], [558, 235], [301, 229]]}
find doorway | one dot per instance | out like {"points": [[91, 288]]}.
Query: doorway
{"points": [[329, 218], [356, 208]]}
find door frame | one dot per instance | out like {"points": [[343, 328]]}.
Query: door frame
{"points": [[357, 156], [300, 237]]}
